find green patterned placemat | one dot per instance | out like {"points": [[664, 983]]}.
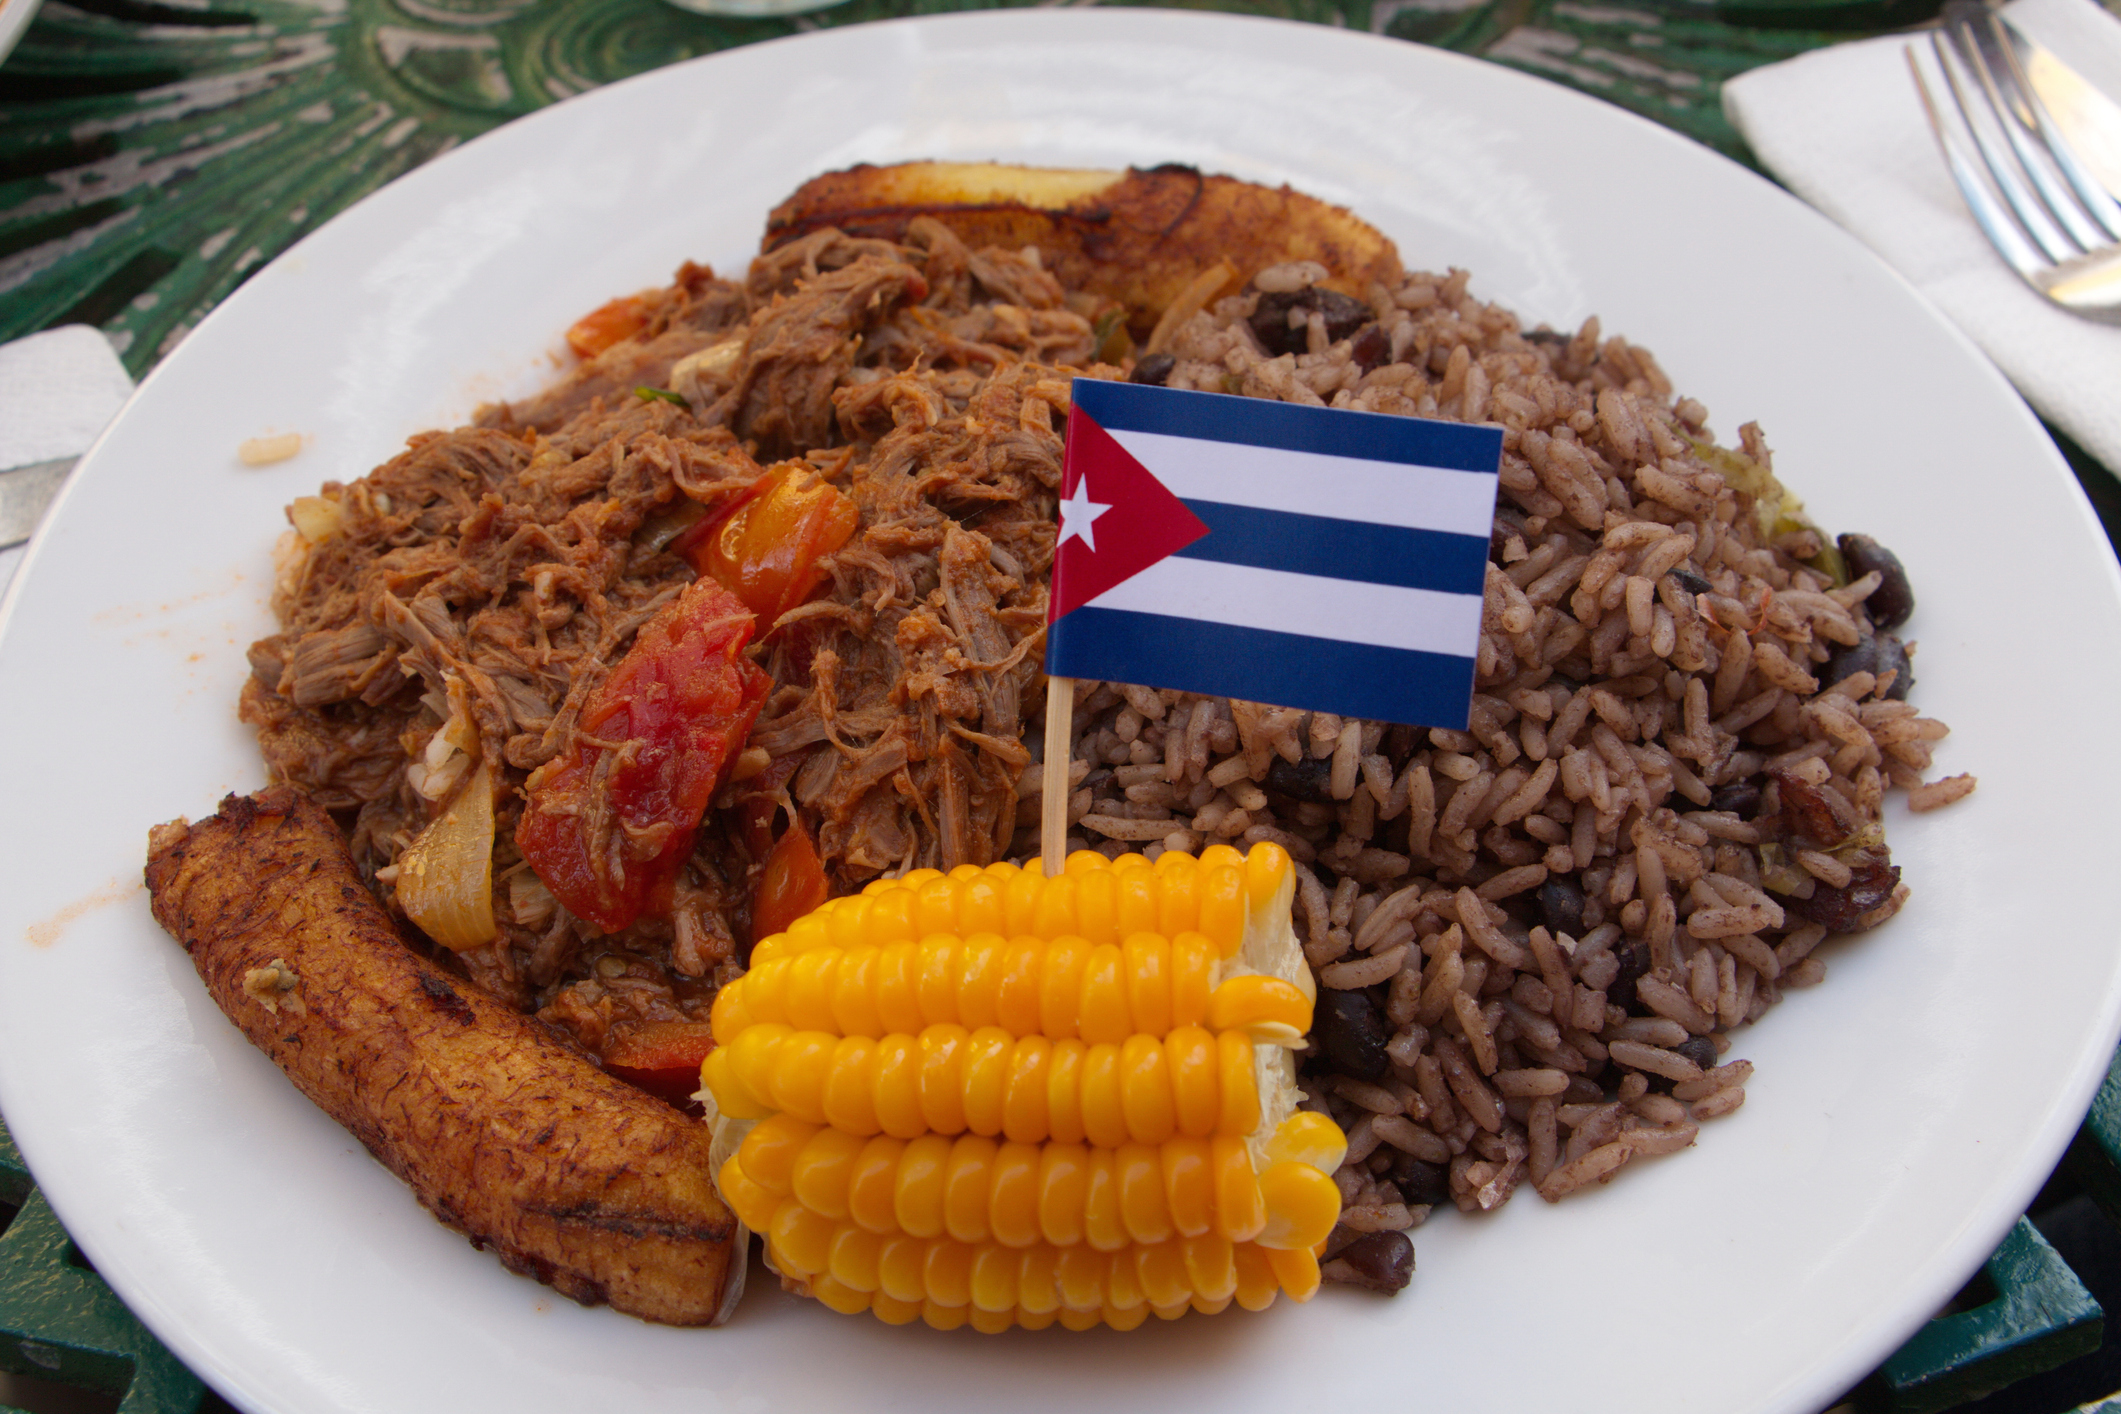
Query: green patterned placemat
{"points": [[152, 155]]}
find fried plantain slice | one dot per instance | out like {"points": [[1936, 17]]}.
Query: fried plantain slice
{"points": [[504, 1133], [1139, 237]]}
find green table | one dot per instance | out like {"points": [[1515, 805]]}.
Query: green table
{"points": [[153, 154]]}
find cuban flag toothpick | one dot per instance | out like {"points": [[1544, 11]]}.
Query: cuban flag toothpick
{"points": [[1301, 556]]}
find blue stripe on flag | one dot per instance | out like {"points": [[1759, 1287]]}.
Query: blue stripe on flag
{"points": [[1259, 665], [1261, 422], [1340, 549]]}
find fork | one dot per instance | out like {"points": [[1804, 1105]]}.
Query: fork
{"points": [[2054, 224]]}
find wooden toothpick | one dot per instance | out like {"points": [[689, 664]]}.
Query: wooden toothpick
{"points": [[1053, 805]]}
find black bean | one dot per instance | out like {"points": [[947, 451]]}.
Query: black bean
{"points": [[1894, 598], [1507, 523], [1700, 1050], [1270, 318], [1153, 370], [1344, 315], [1878, 654], [1337, 1241], [1544, 336], [1309, 779], [1872, 878], [1381, 1261], [1349, 1031], [1634, 958], [1371, 348], [1561, 903], [1419, 1180], [1270, 323], [1524, 914], [1741, 798], [1691, 582]]}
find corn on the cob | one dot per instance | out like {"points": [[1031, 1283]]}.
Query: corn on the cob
{"points": [[993, 1098]]}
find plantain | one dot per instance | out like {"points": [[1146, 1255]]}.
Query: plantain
{"points": [[1140, 237], [502, 1131]]}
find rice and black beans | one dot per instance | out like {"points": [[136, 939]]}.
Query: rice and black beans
{"points": [[1535, 938]]}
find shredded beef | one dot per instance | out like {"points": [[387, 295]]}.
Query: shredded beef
{"points": [[486, 579]]}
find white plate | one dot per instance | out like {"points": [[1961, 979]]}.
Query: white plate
{"points": [[1902, 1114]]}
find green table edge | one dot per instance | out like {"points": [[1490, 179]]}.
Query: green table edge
{"points": [[60, 1321]]}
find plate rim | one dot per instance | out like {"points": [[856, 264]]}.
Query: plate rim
{"points": [[2090, 1067]]}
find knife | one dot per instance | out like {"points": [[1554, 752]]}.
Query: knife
{"points": [[2090, 118], [24, 493]]}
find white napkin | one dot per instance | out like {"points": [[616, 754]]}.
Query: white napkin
{"points": [[58, 390], [1843, 129]]}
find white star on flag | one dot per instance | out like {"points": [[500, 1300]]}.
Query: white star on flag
{"points": [[1079, 514]]}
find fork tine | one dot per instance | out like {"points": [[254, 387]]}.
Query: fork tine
{"points": [[2033, 219], [2093, 193], [1995, 222], [1982, 45]]}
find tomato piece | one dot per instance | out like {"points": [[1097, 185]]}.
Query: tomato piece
{"points": [[767, 550], [661, 1057], [609, 324], [793, 884], [609, 836]]}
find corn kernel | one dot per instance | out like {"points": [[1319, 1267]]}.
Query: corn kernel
{"points": [[979, 977], [941, 1317], [852, 1258], [839, 1296], [823, 1170], [1297, 1271], [947, 1273], [994, 1278], [893, 1312], [1038, 1281], [1097, 906], [770, 1151], [1302, 1205], [872, 1184], [967, 1178], [917, 1192], [1307, 1137], [1012, 1195], [901, 1269], [800, 1240], [1268, 1008]]}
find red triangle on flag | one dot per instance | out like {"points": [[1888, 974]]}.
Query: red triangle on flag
{"points": [[1117, 519]]}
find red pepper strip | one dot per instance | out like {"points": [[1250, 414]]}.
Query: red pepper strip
{"points": [[767, 549], [793, 884], [608, 824], [661, 1057], [608, 324]]}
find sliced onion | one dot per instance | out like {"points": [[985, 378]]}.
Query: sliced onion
{"points": [[315, 518], [449, 752], [445, 877], [697, 377]]}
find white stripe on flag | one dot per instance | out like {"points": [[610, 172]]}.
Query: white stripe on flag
{"points": [[1242, 596], [1312, 483]]}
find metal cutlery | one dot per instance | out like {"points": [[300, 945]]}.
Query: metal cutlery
{"points": [[2079, 108], [2041, 207]]}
